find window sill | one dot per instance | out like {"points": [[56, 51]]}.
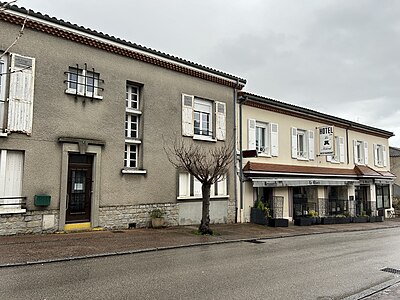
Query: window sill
{"points": [[133, 171], [200, 198], [3, 134], [335, 162], [72, 92], [133, 111], [204, 138], [302, 158], [263, 155], [133, 141], [5, 211]]}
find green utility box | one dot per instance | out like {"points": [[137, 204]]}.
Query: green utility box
{"points": [[42, 200]]}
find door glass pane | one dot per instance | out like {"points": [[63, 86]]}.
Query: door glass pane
{"points": [[77, 197]]}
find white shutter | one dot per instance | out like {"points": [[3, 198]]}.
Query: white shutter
{"points": [[311, 145], [384, 155], [14, 171], [222, 187], [366, 153], [355, 154], [187, 115], [274, 129], [20, 105], [220, 120], [184, 185], [341, 149], [294, 142], [251, 134], [197, 188], [376, 162]]}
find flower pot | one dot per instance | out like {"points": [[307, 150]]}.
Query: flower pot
{"points": [[278, 222], [328, 220], [303, 221], [257, 216], [376, 219], [342, 220], [359, 219], [157, 222]]}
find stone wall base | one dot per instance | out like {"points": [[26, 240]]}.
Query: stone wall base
{"points": [[30, 222]]}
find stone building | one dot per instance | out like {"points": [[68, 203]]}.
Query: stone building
{"points": [[83, 116]]}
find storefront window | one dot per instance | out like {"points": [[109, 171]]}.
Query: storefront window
{"points": [[382, 196]]}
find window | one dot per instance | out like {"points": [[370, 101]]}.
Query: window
{"points": [[302, 144], [382, 196], [16, 94], [202, 117], [82, 82], [11, 174], [190, 187], [198, 118], [132, 130], [360, 152], [380, 156], [339, 155], [263, 137]]}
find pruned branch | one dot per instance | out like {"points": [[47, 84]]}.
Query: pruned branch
{"points": [[208, 164], [21, 31]]}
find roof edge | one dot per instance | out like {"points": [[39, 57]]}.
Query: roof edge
{"points": [[62, 23], [306, 111]]}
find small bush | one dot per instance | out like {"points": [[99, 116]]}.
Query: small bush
{"points": [[156, 213]]}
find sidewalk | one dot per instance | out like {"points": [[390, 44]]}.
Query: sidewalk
{"points": [[34, 249]]}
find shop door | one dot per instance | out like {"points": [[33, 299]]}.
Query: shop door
{"points": [[79, 188]]}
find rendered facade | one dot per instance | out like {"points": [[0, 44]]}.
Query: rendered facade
{"points": [[83, 117], [301, 162]]}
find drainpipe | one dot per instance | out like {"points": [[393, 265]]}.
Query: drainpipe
{"points": [[241, 155], [234, 147]]}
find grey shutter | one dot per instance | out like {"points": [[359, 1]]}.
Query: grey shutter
{"points": [[294, 142], [366, 153], [355, 154], [187, 115], [311, 145], [341, 149], [384, 154], [20, 102], [274, 139], [220, 116], [251, 134]]}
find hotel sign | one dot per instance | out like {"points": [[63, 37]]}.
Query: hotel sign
{"points": [[326, 138]]}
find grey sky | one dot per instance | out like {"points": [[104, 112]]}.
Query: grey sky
{"points": [[340, 57]]}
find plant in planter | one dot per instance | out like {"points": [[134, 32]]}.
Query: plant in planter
{"points": [[260, 214], [362, 218], [343, 219], [310, 219], [157, 219]]}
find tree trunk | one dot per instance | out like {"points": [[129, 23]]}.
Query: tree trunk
{"points": [[205, 213]]}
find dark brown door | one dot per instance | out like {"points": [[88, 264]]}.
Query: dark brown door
{"points": [[79, 188]]}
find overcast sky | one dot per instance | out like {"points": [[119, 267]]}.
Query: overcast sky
{"points": [[339, 57]]}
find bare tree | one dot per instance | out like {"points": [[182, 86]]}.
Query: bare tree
{"points": [[207, 164]]}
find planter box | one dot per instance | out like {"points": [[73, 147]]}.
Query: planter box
{"points": [[157, 222], [342, 220], [376, 219], [328, 220], [257, 216], [359, 219], [278, 222], [303, 221]]}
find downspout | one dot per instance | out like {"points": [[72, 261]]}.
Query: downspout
{"points": [[234, 148], [241, 155]]}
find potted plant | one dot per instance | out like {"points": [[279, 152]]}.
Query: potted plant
{"points": [[343, 219], [157, 220], [362, 218], [310, 219], [259, 214]]}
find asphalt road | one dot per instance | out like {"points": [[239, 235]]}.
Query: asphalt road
{"points": [[327, 266]]}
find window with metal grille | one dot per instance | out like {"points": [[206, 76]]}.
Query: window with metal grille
{"points": [[83, 82]]}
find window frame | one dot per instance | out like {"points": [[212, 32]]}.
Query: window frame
{"points": [[191, 185], [3, 93], [263, 127], [203, 112], [302, 133], [132, 140], [82, 84]]}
